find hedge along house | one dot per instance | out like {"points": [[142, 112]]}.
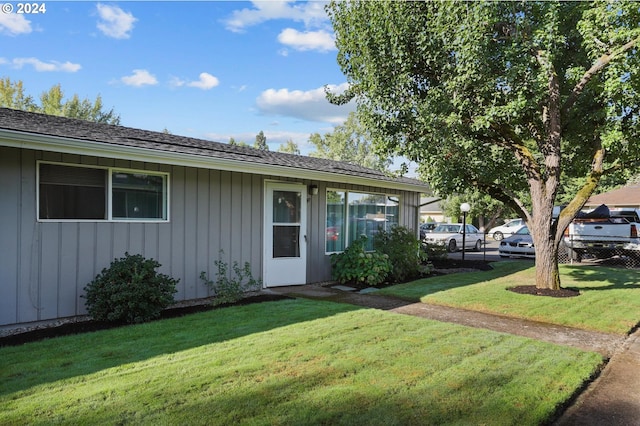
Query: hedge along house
{"points": [[75, 195]]}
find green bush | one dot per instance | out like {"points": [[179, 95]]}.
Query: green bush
{"points": [[405, 253], [356, 265], [229, 289], [435, 251], [130, 291]]}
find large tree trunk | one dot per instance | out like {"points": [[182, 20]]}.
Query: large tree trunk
{"points": [[545, 241], [547, 273]]}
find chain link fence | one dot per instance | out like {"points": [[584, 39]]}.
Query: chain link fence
{"points": [[625, 254]]}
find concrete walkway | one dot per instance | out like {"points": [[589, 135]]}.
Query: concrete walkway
{"points": [[613, 399]]}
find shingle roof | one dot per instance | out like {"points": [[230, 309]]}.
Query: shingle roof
{"points": [[62, 127], [625, 196]]}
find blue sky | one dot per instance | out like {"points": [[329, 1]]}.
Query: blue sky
{"points": [[205, 69]]}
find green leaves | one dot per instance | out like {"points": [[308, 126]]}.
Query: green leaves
{"points": [[355, 265], [52, 102], [129, 291], [505, 97], [230, 288], [440, 74]]}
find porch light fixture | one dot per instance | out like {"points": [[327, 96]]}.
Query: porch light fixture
{"points": [[313, 190]]}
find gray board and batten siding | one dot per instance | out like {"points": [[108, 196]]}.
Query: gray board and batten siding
{"points": [[212, 206]]}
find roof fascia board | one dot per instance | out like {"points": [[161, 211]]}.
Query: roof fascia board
{"points": [[17, 139]]}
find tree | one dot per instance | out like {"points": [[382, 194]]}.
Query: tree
{"points": [[484, 207], [86, 110], [52, 102], [12, 96], [232, 141], [349, 142], [508, 97], [261, 142], [290, 147]]}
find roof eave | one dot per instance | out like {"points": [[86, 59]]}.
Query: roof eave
{"points": [[35, 141]]}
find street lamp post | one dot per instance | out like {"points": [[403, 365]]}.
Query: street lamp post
{"points": [[464, 208]]}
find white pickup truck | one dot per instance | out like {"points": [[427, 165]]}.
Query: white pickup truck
{"points": [[604, 233]]}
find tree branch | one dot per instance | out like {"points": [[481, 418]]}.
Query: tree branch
{"points": [[583, 194], [506, 197], [595, 68], [513, 143]]}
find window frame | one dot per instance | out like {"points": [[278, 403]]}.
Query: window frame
{"points": [[109, 193], [345, 212]]}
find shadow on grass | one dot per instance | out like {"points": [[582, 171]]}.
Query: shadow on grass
{"points": [[415, 290], [46, 361], [618, 278]]}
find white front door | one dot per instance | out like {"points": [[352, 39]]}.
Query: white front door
{"points": [[285, 234]]}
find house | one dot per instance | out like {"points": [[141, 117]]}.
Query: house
{"points": [[625, 197], [430, 210], [75, 195]]}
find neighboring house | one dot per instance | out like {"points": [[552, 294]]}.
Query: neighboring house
{"points": [[430, 210], [75, 195], [627, 196]]}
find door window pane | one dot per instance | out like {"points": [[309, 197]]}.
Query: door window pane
{"points": [[286, 206], [286, 241]]}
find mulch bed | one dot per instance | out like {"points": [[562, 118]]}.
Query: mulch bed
{"points": [[534, 291]]}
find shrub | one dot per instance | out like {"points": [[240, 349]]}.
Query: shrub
{"points": [[229, 289], [355, 265], [404, 250], [130, 291], [435, 251]]}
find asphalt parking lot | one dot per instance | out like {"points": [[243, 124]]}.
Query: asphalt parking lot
{"points": [[489, 253]]}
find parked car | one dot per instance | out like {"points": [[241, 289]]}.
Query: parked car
{"points": [[426, 228], [450, 236], [519, 244], [509, 228]]}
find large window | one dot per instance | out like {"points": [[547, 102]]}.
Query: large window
{"points": [[351, 214], [87, 193]]}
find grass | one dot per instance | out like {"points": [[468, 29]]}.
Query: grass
{"points": [[609, 299], [292, 362]]}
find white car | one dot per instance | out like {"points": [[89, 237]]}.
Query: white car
{"points": [[450, 236], [509, 228]]}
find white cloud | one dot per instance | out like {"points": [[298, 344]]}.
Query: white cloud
{"points": [[13, 24], [309, 40], [115, 22], [311, 13], [309, 105], [206, 82], [140, 78], [177, 82], [41, 66]]}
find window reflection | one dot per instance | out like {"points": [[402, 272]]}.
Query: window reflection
{"points": [[352, 214]]}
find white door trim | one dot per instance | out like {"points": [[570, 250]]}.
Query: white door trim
{"points": [[283, 271]]}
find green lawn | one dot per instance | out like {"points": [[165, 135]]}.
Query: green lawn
{"points": [[292, 362], [609, 299]]}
